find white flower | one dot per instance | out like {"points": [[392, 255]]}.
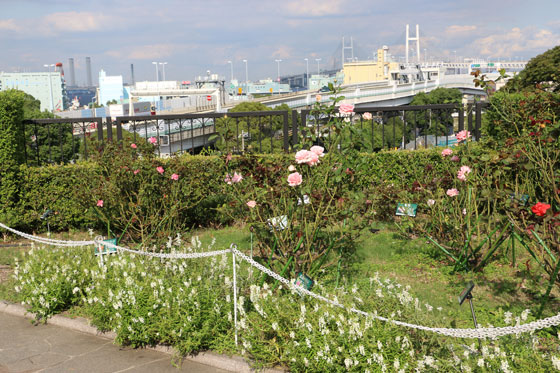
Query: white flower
{"points": [[480, 362], [507, 317], [555, 362]]}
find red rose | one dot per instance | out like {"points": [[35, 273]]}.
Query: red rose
{"points": [[540, 208]]}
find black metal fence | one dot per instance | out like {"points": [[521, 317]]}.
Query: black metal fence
{"points": [[402, 127]]}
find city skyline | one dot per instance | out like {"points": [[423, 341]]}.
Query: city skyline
{"points": [[194, 37]]}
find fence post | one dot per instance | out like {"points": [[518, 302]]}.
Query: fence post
{"points": [[99, 122], [478, 120], [119, 129], [461, 119], [109, 128], [286, 132], [294, 128]]}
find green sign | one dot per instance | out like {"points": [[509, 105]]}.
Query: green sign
{"points": [[406, 209], [475, 65], [491, 64], [304, 281], [104, 249]]}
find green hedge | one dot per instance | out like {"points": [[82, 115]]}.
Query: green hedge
{"points": [[72, 191]]}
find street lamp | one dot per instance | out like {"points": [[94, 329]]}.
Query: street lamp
{"points": [[157, 72], [318, 70], [50, 85], [163, 69], [278, 62], [307, 72], [246, 77], [231, 63]]}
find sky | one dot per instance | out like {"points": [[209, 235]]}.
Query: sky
{"points": [[196, 36]]}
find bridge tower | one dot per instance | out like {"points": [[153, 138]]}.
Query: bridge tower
{"points": [[416, 38], [351, 47]]}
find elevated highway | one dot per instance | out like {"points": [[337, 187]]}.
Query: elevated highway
{"points": [[369, 94]]}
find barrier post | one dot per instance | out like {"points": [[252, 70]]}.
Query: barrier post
{"points": [[233, 246]]}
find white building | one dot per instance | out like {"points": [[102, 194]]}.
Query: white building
{"points": [[47, 87]]}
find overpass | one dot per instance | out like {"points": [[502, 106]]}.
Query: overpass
{"points": [[363, 95], [375, 94]]}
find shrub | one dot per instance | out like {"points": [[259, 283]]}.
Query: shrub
{"points": [[11, 154]]}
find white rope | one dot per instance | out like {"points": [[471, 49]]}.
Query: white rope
{"points": [[165, 255], [459, 333], [48, 241]]}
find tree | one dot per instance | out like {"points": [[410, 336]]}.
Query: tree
{"points": [[46, 143], [542, 70], [441, 120]]}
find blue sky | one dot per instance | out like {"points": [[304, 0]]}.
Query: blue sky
{"points": [[196, 36]]}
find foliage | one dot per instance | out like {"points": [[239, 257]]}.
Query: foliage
{"points": [[11, 154], [541, 72], [434, 122], [188, 304], [252, 134]]}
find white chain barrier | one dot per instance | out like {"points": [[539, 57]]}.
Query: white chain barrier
{"points": [[480, 333], [48, 241], [458, 333]]}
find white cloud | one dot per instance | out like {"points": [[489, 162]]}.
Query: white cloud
{"points": [[9, 25], [282, 51], [313, 8], [147, 52], [516, 41], [57, 23], [457, 29], [76, 21]]}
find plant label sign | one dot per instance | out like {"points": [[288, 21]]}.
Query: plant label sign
{"points": [[521, 198], [104, 249], [304, 281], [278, 223], [406, 209]]}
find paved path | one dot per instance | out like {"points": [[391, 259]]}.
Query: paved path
{"points": [[48, 348]]}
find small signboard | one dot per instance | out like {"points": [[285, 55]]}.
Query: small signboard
{"points": [[304, 281], [104, 250], [521, 198], [279, 223], [406, 209]]}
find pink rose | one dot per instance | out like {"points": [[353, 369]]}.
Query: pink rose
{"points": [[318, 98], [159, 169], [136, 171], [431, 202], [452, 192], [251, 204], [295, 179], [133, 146], [291, 168], [233, 179], [175, 177], [367, 116], [463, 135], [454, 159], [346, 109], [319, 150], [463, 172], [446, 152], [308, 157], [301, 156], [152, 140], [236, 178], [100, 203]]}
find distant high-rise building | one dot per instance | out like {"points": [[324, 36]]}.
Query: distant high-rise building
{"points": [[132, 82], [72, 77], [47, 87], [88, 72]]}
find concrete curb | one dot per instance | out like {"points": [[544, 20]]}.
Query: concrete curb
{"points": [[80, 324]]}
